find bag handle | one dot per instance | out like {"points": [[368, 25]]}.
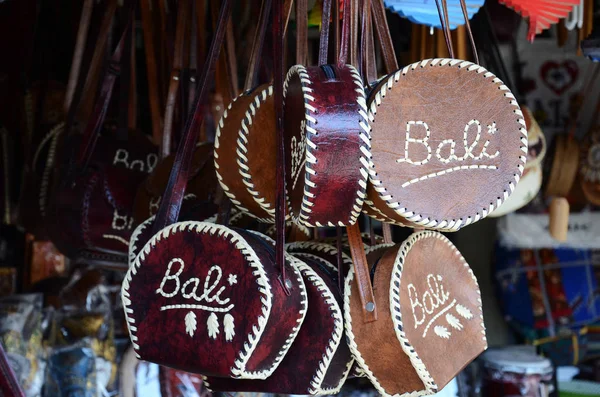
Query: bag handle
{"points": [[384, 36], [171, 202], [361, 270], [324, 35], [257, 45], [443, 13], [94, 125], [347, 35], [151, 70], [278, 78], [183, 12], [82, 35], [301, 31]]}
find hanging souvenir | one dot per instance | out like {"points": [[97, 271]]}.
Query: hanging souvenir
{"points": [[425, 12], [421, 312], [90, 213], [327, 135], [473, 152], [246, 139], [542, 13], [319, 361]]}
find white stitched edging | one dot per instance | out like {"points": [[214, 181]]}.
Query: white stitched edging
{"points": [[395, 285], [242, 149], [258, 271], [354, 347], [336, 336], [225, 188], [292, 336], [133, 251], [53, 136], [319, 247], [310, 121], [448, 224]]}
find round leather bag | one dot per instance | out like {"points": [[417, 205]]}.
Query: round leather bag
{"points": [[590, 166], [430, 320], [244, 153], [448, 144], [560, 170], [327, 144], [319, 360], [527, 189], [208, 299]]}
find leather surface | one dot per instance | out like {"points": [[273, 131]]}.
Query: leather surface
{"points": [[440, 306], [260, 158], [446, 98], [226, 158], [380, 210], [202, 184], [167, 338], [377, 340], [302, 362], [337, 173], [94, 212], [361, 275]]}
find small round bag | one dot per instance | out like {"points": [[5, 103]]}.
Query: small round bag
{"points": [[428, 301]]}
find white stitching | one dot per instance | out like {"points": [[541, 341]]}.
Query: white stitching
{"points": [[239, 368], [450, 225]]}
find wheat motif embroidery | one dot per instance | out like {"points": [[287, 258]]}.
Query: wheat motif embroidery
{"points": [[212, 324], [229, 327], [190, 323]]}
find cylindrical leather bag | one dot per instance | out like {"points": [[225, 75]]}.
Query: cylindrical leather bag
{"points": [[220, 294], [319, 360], [428, 302], [327, 137]]}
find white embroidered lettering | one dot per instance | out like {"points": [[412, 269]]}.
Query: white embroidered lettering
{"points": [[147, 165], [422, 141], [121, 222]]}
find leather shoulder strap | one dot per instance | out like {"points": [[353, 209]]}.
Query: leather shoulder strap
{"points": [[257, 45], [94, 125], [82, 34], [301, 32], [362, 274], [383, 34], [171, 202], [346, 33], [175, 82], [324, 36], [151, 70]]}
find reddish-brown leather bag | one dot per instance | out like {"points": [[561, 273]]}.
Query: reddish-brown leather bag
{"points": [[327, 137], [90, 213]]}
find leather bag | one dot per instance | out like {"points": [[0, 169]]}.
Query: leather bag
{"points": [[472, 152], [327, 135], [319, 360], [252, 302], [428, 301]]}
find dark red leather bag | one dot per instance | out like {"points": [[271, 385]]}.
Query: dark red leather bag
{"points": [[251, 305], [90, 212]]}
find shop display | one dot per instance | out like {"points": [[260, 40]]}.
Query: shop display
{"points": [[240, 198]]}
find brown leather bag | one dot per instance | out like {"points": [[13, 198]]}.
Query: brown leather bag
{"points": [[472, 152], [245, 139], [428, 301]]}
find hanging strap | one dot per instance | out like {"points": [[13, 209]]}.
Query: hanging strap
{"points": [[97, 61], [125, 74], [324, 36], [94, 125], [151, 70], [361, 270], [82, 34], [368, 63], [171, 202], [301, 32], [346, 40], [387, 233], [257, 46], [278, 77], [383, 34], [443, 11], [176, 74]]}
